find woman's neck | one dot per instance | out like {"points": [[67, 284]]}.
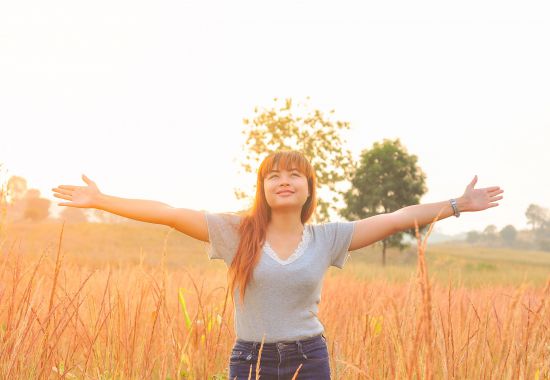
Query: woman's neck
{"points": [[285, 222]]}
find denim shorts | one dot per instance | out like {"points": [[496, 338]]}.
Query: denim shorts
{"points": [[280, 360]]}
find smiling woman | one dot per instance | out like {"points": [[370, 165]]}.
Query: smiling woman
{"points": [[277, 260], [286, 184]]}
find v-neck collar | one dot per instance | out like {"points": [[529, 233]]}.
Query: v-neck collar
{"points": [[299, 251]]}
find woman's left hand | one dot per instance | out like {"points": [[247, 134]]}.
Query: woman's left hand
{"points": [[481, 199]]}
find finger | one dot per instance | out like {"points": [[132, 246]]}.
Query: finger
{"points": [[68, 187], [62, 196], [494, 193], [492, 199], [492, 188], [63, 191], [493, 205], [87, 180], [473, 182]]}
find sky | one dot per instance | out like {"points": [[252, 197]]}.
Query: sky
{"points": [[147, 98]]}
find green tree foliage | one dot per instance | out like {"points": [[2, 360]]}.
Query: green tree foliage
{"points": [[542, 236], [508, 234], [539, 219], [536, 215], [386, 179], [473, 237], [284, 127], [490, 234]]}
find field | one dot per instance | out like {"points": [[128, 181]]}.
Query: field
{"points": [[137, 301]]}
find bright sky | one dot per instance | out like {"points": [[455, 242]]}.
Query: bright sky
{"points": [[147, 98]]}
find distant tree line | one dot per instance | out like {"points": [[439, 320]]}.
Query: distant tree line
{"points": [[22, 204], [538, 237], [384, 179]]}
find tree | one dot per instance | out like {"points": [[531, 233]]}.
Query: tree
{"points": [[490, 233], [16, 189], [36, 208], [536, 215], [473, 237], [508, 234], [542, 236], [386, 179], [314, 134]]}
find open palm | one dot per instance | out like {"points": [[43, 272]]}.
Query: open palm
{"points": [[481, 199], [79, 196]]}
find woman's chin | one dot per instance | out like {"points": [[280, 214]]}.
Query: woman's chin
{"points": [[284, 206]]}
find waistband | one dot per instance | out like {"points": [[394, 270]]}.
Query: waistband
{"points": [[279, 343], [254, 347]]}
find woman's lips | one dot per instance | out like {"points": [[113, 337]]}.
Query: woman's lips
{"points": [[286, 192]]}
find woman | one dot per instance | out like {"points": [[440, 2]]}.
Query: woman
{"points": [[276, 260]]}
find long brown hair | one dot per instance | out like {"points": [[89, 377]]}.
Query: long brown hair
{"points": [[253, 226]]}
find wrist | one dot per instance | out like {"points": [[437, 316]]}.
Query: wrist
{"points": [[462, 204], [98, 201]]}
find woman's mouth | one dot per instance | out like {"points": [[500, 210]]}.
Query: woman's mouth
{"points": [[285, 192]]}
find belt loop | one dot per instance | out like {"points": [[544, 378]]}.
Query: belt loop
{"points": [[300, 349]]}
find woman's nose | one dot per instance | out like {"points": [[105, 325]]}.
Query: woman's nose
{"points": [[283, 183], [284, 180]]}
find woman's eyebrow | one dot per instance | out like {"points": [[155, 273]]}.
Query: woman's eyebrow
{"points": [[276, 171]]}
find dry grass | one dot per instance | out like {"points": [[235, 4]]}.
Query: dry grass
{"points": [[62, 316]]}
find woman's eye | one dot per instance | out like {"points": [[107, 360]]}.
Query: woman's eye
{"points": [[296, 174]]}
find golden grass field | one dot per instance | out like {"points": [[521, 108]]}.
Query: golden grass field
{"points": [[138, 301]]}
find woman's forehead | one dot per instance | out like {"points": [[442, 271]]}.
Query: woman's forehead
{"points": [[285, 163]]}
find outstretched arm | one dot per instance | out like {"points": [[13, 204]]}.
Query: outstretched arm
{"points": [[190, 222], [379, 227]]}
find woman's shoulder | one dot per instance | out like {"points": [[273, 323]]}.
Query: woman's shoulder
{"points": [[227, 216], [330, 228], [329, 223]]}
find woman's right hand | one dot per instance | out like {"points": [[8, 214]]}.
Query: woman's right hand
{"points": [[80, 196]]}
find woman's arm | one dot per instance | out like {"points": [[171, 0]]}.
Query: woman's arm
{"points": [[190, 222], [379, 227]]}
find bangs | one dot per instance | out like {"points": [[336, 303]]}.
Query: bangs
{"points": [[286, 160]]}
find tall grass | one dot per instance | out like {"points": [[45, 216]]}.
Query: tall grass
{"points": [[62, 318]]}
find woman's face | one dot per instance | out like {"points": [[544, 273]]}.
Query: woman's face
{"points": [[286, 189]]}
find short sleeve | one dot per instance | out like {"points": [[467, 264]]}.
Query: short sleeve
{"points": [[223, 235], [339, 236]]}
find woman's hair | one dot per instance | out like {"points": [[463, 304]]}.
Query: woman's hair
{"points": [[253, 226]]}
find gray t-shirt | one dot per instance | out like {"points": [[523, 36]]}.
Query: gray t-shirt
{"points": [[282, 298]]}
